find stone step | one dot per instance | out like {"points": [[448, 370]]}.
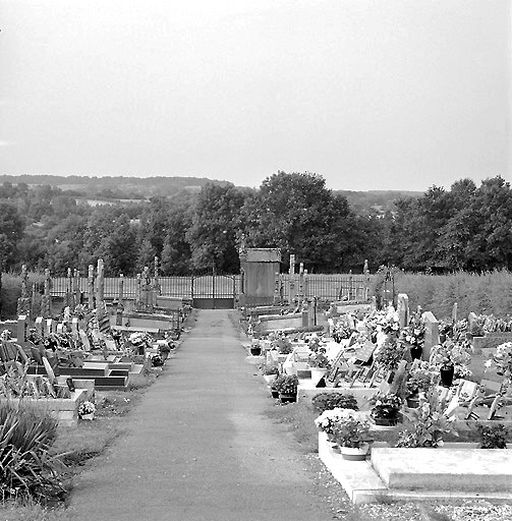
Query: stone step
{"points": [[460, 470]]}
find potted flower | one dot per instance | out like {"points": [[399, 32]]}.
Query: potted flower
{"points": [[275, 385], [270, 372], [352, 437], [330, 418], [319, 365], [419, 381], [451, 359], [427, 425], [86, 410], [333, 400], [413, 336], [389, 355], [386, 409], [288, 388], [255, 348]]}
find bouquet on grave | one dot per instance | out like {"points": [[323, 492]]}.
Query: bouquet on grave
{"points": [[452, 354], [86, 408], [389, 354], [328, 420], [420, 379], [414, 333], [385, 406], [502, 359]]}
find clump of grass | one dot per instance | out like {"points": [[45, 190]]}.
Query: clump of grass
{"points": [[27, 467]]}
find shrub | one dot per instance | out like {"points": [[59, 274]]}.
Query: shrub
{"points": [[493, 436], [288, 384], [26, 466], [327, 401]]}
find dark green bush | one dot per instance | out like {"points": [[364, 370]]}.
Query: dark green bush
{"points": [[493, 436], [327, 401], [26, 466]]}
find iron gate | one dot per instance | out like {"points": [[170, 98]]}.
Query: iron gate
{"points": [[214, 291]]}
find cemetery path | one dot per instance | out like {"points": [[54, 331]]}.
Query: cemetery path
{"points": [[199, 447]]}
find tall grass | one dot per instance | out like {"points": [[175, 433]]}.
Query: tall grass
{"points": [[26, 466], [11, 291], [482, 293]]}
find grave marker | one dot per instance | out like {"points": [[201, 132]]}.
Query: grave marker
{"points": [[403, 310], [39, 326], [22, 328], [431, 338]]}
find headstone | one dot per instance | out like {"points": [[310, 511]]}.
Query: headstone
{"points": [[403, 310], [49, 370], [48, 327], [472, 322], [39, 326], [454, 313], [90, 287], [85, 340], [22, 328], [431, 337], [60, 329], [74, 328]]}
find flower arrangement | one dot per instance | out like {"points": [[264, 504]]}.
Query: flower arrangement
{"points": [[288, 384], [331, 417], [270, 369], [502, 359], [389, 355], [385, 406], [452, 354], [284, 346], [86, 408], [341, 332], [427, 425], [352, 433], [420, 379], [319, 360], [414, 333], [326, 401]]}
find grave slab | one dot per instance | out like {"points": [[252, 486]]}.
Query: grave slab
{"points": [[464, 470]]}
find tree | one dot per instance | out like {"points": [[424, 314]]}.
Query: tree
{"points": [[11, 232], [213, 234], [297, 213]]}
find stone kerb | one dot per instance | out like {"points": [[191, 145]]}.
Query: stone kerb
{"points": [[490, 340]]}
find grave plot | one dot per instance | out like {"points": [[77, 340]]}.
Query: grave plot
{"points": [[412, 382]]}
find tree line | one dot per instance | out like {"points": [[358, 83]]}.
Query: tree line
{"points": [[465, 227]]}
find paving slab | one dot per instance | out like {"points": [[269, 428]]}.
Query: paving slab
{"points": [[199, 446]]}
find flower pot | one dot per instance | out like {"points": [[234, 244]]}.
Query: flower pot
{"points": [[317, 374], [256, 351], [303, 374], [275, 394], [269, 378], [353, 454], [287, 398], [447, 375], [385, 422], [416, 352], [413, 402], [89, 416]]}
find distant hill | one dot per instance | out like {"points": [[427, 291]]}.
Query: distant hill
{"points": [[379, 201], [140, 188], [114, 187]]}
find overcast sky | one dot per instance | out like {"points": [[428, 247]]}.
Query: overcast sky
{"points": [[372, 94]]}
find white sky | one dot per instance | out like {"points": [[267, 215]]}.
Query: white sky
{"points": [[372, 94]]}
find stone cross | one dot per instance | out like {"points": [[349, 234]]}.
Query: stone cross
{"points": [[431, 338], [403, 310]]}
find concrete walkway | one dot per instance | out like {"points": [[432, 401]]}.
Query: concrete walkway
{"points": [[199, 447]]}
